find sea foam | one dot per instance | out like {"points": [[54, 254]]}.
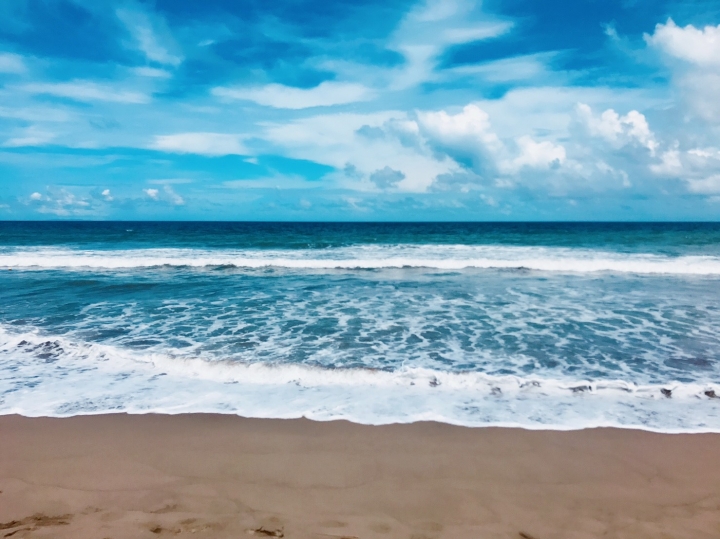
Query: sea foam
{"points": [[50, 375]]}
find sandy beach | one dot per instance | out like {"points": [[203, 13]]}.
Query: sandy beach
{"points": [[123, 476]]}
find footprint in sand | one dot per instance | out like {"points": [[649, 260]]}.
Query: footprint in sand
{"points": [[264, 532], [33, 522]]}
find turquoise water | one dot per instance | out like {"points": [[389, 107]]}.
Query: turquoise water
{"points": [[534, 325]]}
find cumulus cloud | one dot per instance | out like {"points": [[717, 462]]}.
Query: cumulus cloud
{"points": [[534, 154], [210, 144], [615, 173], [699, 168], [619, 130], [410, 151], [342, 139], [167, 195], [669, 165], [81, 90], [61, 202], [107, 195], [326, 94], [693, 55], [471, 126], [468, 137], [691, 44], [705, 186], [386, 178]]}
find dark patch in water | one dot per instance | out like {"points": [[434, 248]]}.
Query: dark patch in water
{"points": [[683, 363], [49, 350]]}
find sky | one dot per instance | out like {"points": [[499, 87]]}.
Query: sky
{"points": [[372, 110]]}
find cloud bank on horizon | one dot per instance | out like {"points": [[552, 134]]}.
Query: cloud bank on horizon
{"points": [[360, 110]]}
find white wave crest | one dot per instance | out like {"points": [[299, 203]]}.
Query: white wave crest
{"points": [[441, 257]]}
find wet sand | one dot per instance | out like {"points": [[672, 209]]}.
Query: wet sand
{"points": [[203, 475]]}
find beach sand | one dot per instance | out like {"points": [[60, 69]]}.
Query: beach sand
{"points": [[203, 475]]}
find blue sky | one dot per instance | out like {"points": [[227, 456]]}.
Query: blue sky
{"points": [[360, 110]]}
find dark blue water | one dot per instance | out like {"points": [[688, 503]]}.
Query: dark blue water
{"points": [[666, 238]]}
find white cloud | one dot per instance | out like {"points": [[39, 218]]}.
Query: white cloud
{"points": [[432, 27], [693, 55], [152, 193], [705, 186], [517, 68], [274, 181], [31, 136], [286, 97], [152, 72], [145, 32], [211, 144], [410, 151], [705, 153], [469, 128], [700, 88], [172, 196], [534, 154], [670, 164], [469, 135], [85, 91], [35, 114], [61, 202], [338, 141], [691, 44], [170, 181], [606, 169], [106, 194], [621, 130], [11, 63]]}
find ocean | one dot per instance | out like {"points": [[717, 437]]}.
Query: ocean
{"points": [[533, 325]]}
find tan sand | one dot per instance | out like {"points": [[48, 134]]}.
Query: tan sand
{"points": [[120, 476]]}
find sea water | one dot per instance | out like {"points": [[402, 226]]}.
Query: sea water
{"points": [[556, 326]]}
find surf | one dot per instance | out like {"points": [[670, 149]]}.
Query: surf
{"points": [[368, 257]]}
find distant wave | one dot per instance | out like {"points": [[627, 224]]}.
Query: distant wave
{"points": [[441, 257]]}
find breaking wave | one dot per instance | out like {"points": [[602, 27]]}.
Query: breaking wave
{"points": [[441, 257], [52, 375]]}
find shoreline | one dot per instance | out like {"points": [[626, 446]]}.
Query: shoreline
{"points": [[502, 426], [214, 475]]}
